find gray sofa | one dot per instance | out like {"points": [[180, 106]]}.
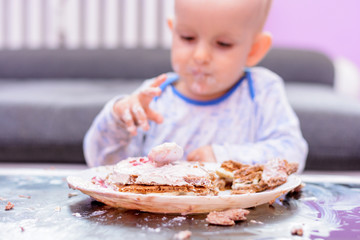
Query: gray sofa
{"points": [[48, 99]]}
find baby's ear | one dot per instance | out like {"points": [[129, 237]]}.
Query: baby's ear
{"points": [[170, 23], [259, 48]]}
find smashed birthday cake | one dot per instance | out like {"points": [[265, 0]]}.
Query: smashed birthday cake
{"points": [[163, 172], [243, 178]]}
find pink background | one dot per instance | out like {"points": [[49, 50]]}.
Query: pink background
{"points": [[331, 26]]}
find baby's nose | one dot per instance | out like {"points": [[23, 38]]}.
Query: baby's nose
{"points": [[202, 53]]}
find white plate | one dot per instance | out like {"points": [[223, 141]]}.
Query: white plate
{"points": [[173, 204]]}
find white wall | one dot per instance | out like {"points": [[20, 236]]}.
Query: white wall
{"points": [[84, 23]]}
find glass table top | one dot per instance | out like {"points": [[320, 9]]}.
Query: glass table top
{"points": [[44, 206]]}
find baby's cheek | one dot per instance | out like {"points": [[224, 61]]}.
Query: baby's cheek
{"points": [[176, 68], [179, 57]]}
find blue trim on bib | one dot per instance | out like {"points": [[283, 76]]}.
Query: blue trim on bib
{"points": [[250, 83], [170, 80], [174, 77], [210, 102]]}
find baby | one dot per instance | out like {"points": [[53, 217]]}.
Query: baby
{"points": [[216, 105]]}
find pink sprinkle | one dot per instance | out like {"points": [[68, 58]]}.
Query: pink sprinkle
{"points": [[98, 181]]}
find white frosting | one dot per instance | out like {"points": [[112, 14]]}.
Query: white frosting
{"points": [[149, 174], [166, 153], [132, 166], [274, 169]]}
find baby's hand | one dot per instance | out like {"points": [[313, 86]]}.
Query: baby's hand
{"points": [[134, 110], [202, 154]]}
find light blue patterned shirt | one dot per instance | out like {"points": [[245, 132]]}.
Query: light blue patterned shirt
{"points": [[251, 124]]}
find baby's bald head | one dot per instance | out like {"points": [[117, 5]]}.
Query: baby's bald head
{"points": [[264, 10], [254, 12], [213, 41]]}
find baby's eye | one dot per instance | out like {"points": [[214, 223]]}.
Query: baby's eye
{"points": [[223, 44], [188, 38]]}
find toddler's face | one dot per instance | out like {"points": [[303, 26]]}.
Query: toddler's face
{"points": [[211, 42]]}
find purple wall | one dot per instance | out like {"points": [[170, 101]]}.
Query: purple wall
{"points": [[331, 26]]}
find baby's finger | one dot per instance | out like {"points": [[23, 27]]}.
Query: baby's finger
{"points": [[150, 92], [154, 116], [129, 121], [193, 157], [147, 95], [140, 116], [159, 80]]}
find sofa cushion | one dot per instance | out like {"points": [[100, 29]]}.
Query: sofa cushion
{"points": [[294, 65], [47, 120], [302, 66], [331, 125], [53, 96], [84, 63]]}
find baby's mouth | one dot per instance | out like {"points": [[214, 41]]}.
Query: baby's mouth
{"points": [[201, 80], [199, 75]]}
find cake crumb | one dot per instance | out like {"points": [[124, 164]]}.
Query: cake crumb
{"points": [[9, 206], [76, 214], [179, 218], [297, 231], [70, 195], [228, 217], [254, 221], [183, 235]]}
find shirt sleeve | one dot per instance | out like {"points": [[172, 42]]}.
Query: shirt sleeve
{"points": [[105, 137], [277, 132], [107, 141]]}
